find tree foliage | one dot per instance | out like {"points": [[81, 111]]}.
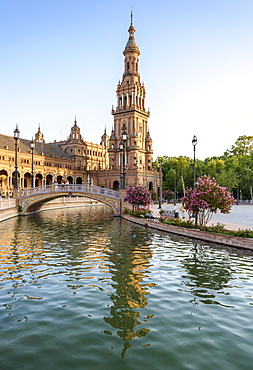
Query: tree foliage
{"points": [[138, 196], [207, 198], [233, 170], [168, 195]]}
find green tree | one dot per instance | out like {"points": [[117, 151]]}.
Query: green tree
{"points": [[242, 146]]}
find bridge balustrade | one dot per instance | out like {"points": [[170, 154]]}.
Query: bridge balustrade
{"points": [[68, 188]]}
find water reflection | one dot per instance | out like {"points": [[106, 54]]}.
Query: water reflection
{"points": [[63, 246], [92, 283], [129, 263], [208, 273]]}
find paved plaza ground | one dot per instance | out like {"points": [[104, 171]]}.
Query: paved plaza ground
{"points": [[241, 216]]}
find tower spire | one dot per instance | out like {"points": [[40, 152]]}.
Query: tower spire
{"points": [[131, 43]]}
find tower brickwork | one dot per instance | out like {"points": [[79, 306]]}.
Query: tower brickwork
{"points": [[130, 114]]}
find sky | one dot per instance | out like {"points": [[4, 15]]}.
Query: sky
{"points": [[63, 58]]}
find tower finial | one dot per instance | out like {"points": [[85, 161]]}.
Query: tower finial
{"points": [[131, 17]]}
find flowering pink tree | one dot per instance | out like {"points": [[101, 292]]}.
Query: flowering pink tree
{"points": [[207, 198], [138, 196], [168, 195]]}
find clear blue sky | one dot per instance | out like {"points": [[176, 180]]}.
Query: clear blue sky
{"points": [[61, 58]]}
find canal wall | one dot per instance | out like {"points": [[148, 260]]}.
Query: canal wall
{"points": [[8, 213], [227, 240]]}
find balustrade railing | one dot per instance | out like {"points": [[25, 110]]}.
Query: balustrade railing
{"points": [[66, 188]]}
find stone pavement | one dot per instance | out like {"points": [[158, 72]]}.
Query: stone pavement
{"points": [[241, 217]]}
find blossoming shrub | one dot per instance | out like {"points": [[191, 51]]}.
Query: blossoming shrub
{"points": [[207, 198], [138, 196], [168, 195]]}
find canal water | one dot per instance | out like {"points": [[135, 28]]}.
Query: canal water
{"points": [[80, 289]]}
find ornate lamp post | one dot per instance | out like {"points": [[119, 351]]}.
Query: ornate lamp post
{"points": [[124, 139], [237, 195], [16, 137], [175, 187], [32, 146], [194, 143], [160, 187], [121, 147]]}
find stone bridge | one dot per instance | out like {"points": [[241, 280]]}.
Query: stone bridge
{"points": [[31, 200]]}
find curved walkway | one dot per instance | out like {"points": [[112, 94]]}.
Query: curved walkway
{"points": [[227, 240], [241, 216]]}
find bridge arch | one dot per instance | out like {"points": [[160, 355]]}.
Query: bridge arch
{"points": [[31, 200]]}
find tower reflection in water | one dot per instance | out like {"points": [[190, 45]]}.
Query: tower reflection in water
{"points": [[129, 273], [61, 248]]}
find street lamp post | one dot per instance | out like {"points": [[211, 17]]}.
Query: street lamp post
{"points": [[121, 147], [160, 187], [32, 146], [194, 143], [124, 139], [16, 137], [237, 195], [175, 187]]}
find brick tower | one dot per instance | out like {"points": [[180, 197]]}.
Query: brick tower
{"points": [[131, 118]]}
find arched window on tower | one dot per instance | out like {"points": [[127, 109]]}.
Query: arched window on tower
{"points": [[128, 66], [125, 101]]}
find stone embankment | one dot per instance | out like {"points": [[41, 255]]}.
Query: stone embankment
{"points": [[228, 240], [8, 213], [8, 208]]}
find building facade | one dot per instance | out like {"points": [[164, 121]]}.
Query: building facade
{"points": [[122, 159]]}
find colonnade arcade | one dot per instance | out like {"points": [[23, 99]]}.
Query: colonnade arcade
{"points": [[25, 180]]}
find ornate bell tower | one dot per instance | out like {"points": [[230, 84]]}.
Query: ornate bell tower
{"points": [[130, 115]]}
